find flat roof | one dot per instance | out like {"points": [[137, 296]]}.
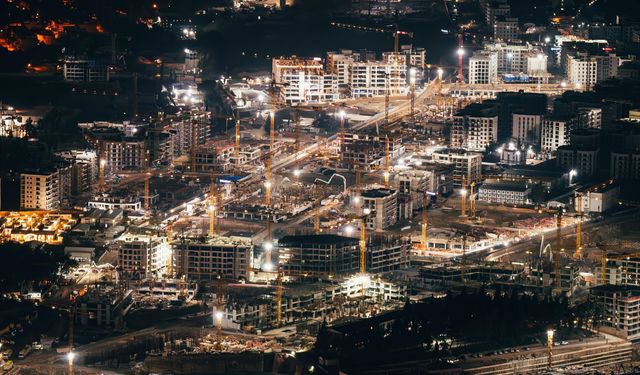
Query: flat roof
{"points": [[316, 239]]}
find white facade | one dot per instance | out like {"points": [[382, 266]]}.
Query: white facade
{"points": [[144, 254], [474, 132], [40, 190], [526, 128], [512, 58], [581, 71], [218, 257], [483, 68], [598, 198], [536, 64], [370, 78], [383, 206], [302, 87], [507, 192], [555, 133], [466, 164]]}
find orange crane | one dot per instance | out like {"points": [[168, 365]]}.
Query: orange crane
{"points": [[340, 135]]}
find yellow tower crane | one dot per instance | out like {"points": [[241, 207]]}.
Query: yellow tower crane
{"points": [[340, 135], [237, 149], [147, 178], [463, 197], [279, 298], [578, 253], [102, 162], [472, 201], [423, 238], [558, 248], [212, 205], [363, 245], [387, 162]]}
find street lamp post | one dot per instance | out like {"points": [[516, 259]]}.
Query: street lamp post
{"points": [[550, 333], [70, 357]]}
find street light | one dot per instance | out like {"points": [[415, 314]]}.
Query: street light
{"points": [[460, 52], [296, 173], [550, 333], [440, 72], [572, 173], [70, 357]]}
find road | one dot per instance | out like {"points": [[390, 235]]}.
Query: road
{"points": [[515, 251]]}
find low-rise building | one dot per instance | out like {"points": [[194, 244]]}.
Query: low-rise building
{"points": [[598, 198], [467, 165], [585, 160], [102, 307], [505, 192]]}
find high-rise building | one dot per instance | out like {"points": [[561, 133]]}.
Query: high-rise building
{"points": [[555, 132], [383, 207], [584, 159], [625, 165], [475, 127], [143, 254], [506, 29], [319, 255], [84, 169], [45, 189], [483, 68], [581, 70], [526, 128]]}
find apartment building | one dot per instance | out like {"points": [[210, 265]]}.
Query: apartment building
{"points": [[625, 165], [581, 70], [228, 258], [526, 128], [475, 127], [588, 117], [45, 189], [383, 207], [621, 304], [483, 68], [584, 159], [319, 255], [387, 253], [555, 132], [514, 58], [143, 255], [467, 165], [506, 29], [84, 169], [294, 65], [367, 152], [375, 78]]}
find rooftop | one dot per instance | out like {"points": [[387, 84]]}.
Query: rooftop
{"points": [[316, 239]]}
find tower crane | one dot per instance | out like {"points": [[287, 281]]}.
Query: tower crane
{"points": [[463, 197], [237, 137], [559, 249], [472, 201], [387, 162], [101, 165], [423, 237], [212, 204]]}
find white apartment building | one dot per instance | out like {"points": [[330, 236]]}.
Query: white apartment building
{"points": [[370, 78], [290, 65], [40, 190], [84, 172], [466, 164], [625, 165], [581, 70], [383, 207], [536, 64], [224, 257], [505, 192], [483, 68], [301, 87], [143, 254], [512, 58], [526, 128], [555, 133]]}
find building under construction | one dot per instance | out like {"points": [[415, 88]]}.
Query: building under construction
{"points": [[212, 258], [330, 255]]}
